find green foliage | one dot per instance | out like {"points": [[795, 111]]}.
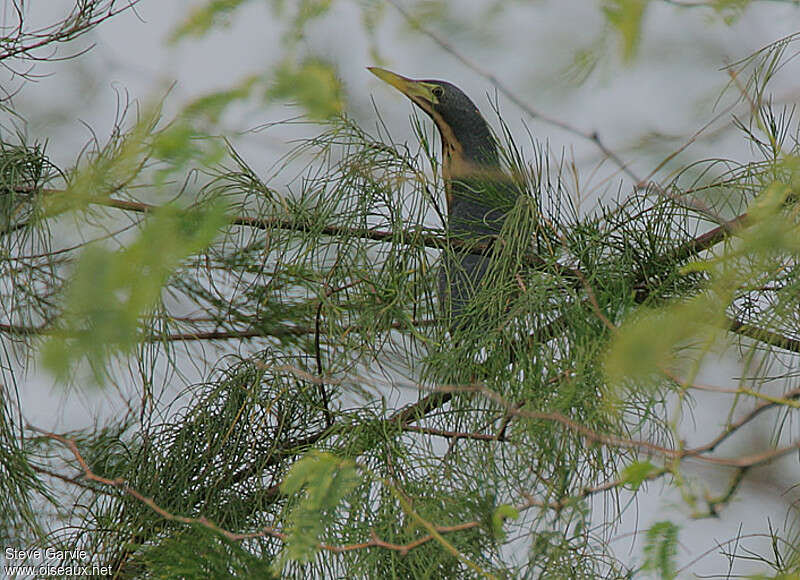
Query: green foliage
{"points": [[637, 473], [313, 324], [626, 17], [501, 514], [21, 492], [312, 84], [22, 169], [109, 168], [203, 18], [730, 10], [661, 546], [111, 291], [211, 106], [304, 12], [315, 278], [181, 144], [327, 480], [196, 552], [655, 340]]}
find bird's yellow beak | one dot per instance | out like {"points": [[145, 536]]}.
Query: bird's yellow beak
{"points": [[418, 91]]}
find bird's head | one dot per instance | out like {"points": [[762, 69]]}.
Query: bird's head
{"points": [[462, 127]]}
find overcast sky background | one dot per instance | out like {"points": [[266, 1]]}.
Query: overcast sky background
{"points": [[641, 110]]}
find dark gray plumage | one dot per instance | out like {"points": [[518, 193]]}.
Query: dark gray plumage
{"points": [[477, 211], [479, 194]]}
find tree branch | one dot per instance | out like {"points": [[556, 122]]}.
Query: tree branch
{"points": [[74, 25], [120, 484], [696, 453]]}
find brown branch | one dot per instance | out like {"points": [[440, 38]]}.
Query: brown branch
{"points": [[67, 479], [283, 331], [76, 27], [501, 432], [374, 540], [20, 330], [715, 504], [696, 453], [763, 335], [416, 411], [429, 240], [586, 492], [709, 239], [120, 484], [232, 334], [274, 331], [453, 434], [792, 395]]}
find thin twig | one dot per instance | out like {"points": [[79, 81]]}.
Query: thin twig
{"points": [[696, 453], [269, 531]]}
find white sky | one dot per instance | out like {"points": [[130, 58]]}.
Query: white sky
{"points": [[669, 90]]}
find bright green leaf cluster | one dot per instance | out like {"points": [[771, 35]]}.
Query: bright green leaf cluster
{"points": [[212, 105], [327, 480], [178, 145], [202, 18], [313, 84], [499, 517], [661, 545], [306, 11], [110, 291], [626, 16], [637, 473], [113, 166], [651, 341], [730, 10]]}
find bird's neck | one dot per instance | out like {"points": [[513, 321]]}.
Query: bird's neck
{"points": [[464, 162], [471, 144], [468, 152], [478, 147]]}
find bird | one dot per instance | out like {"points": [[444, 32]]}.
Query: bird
{"points": [[479, 194]]}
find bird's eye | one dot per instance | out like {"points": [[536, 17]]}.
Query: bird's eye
{"points": [[438, 92]]}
